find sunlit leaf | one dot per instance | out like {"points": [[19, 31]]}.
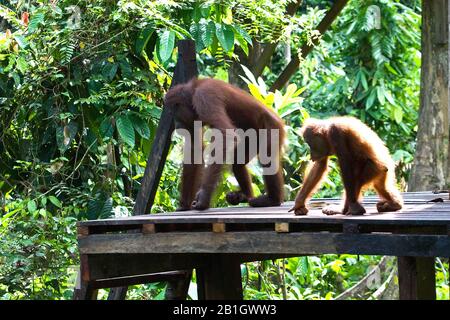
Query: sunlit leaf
{"points": [[166, 45], [225, 35], [125, 129]]}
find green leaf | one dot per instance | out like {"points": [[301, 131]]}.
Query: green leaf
{"points": [[35, 20], [196, 13], [364, 80], [140, 125], [22, 64], [106, 128], [21, 41], [100, 208], [110, 70], [205, 9], [55, 201], [242, 43], [371, 99], [32, 207], [243, 33], [225, 34], [303, 266], [196, 33], [166, 45], [125, 129], [380, 95], [143, 38], [398, 114], [207, 32]]}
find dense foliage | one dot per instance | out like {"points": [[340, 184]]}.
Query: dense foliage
{"points": [[81, 87]]}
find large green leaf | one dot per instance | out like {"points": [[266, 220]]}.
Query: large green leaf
{"points": [[140, 125], [207, 31], [100, 208], [243, 34], [166, 44], [106, 128], [125, 129], [196, 33], [225, 34], [35, 20], [143, 38], [55, 201]]}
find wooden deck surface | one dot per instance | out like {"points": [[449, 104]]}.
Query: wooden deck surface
{"points": [[418, 210], [215, 242]]}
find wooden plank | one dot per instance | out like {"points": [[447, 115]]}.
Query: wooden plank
{"points": [[82, 231], [282, 227], [351, 228], [219, 227], [107, 266], [148, 228], [266, 242], [411, 218], [416, 277], [220, 279]]}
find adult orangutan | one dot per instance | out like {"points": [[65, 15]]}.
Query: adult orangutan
{"points": [[229, 110], [363, 159]]}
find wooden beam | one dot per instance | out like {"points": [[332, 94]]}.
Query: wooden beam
{"points": [[110, 266], [416, 278], [323, 26], [268, 242]]}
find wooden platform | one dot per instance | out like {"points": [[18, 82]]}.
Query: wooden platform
{"points": [[225, 237]]}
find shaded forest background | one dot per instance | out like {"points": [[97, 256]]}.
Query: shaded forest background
{"points": [[81, 89]]}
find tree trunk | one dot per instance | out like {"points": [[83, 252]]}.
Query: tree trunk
{"points": [[430, 168]]}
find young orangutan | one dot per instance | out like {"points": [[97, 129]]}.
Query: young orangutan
{"points": [[227, 108], [363, 159]]}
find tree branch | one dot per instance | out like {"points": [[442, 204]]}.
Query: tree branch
{"points": [[323, 26], [269, 48]]}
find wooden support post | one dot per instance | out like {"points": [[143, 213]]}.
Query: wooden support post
{"points": [[416, 278], [84, 290], [282, 227], [220, 279], [219, 227], [177, 288], [323, 26], [185, 70]]}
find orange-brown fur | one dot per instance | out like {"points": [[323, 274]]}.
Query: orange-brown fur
{"points": [[363, 158], [223, 106]]}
